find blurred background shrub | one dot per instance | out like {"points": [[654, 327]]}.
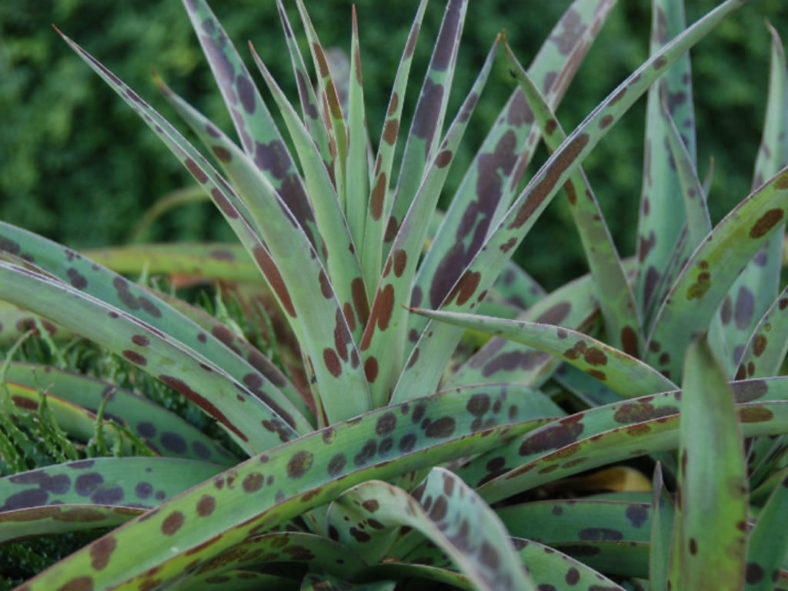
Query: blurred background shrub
{"points": [[77, 165]]}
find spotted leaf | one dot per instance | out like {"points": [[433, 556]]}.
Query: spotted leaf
{"points": [[232, 403], [436, 343], [622, 373], [712, 480], [61, 498], [449, 514]]}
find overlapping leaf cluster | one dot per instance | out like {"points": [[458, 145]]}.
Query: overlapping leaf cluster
{"points": [[375, 462]]}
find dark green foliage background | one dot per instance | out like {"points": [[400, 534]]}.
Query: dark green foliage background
{"points": [[78, 166]]}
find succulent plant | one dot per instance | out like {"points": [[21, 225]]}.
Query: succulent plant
{"points": [[454, 423]]}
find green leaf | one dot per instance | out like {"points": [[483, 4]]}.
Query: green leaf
{"points": [[61, 498], [329, 103], [359, 150], [436, 343], [71, 419], [385, 333], [344, 268], [661, 212], [661, 533], [381, 196], [492, 179], [191, 374], [768, 543], [613, 291], [85, 275], [622, 373], [577, 520], [304, 473], [712, 481], [758, 285], [608, 434], [260, 138], [502, 360], [445, 510], [221, 261], [422, 142], [295, 277], [765, 351], [306, 92], [317, 553], [693, 299]]}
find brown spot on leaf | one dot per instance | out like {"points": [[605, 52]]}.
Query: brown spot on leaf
{"points": [[172, 523], [271, 272], [101, 551], [766, 222], [299, 464]]}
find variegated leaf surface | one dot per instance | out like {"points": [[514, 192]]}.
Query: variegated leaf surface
{"points": [[712, 480], [661, 209], [611, 286], [271, 488], [247, 418], [438, 341], [61, 497], [448, 513]]}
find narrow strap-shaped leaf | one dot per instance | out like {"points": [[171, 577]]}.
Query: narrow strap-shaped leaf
{"points": [[555, 521], [450, 515], [615, 296], [700, 288], [342, 264], [306, 93], [329, 101], [437, 343], [318, 320], [250, 421], [493, 177], [503, 360], [590, 391], [661, 533], [661, 211], [259, 136], [765, 351], [85, 275], [161, 429], [517, 287], [768, 542], [318, 552], [63, 518], [386, 331], [325, 582], [237, 580], [712, 481], [425, 129], [219, 260], [548, 568], [381, 196], [692, 194], [16, 321], [759, 282], [48, 500], [567, 444], [307, 472], [357, 164], [623, 373], [533, 403]]}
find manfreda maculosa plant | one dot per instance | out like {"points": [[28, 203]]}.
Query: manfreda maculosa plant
{"points": [[412, 454]]}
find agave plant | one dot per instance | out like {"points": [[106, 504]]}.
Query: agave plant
{"points": [[418, 449]]}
